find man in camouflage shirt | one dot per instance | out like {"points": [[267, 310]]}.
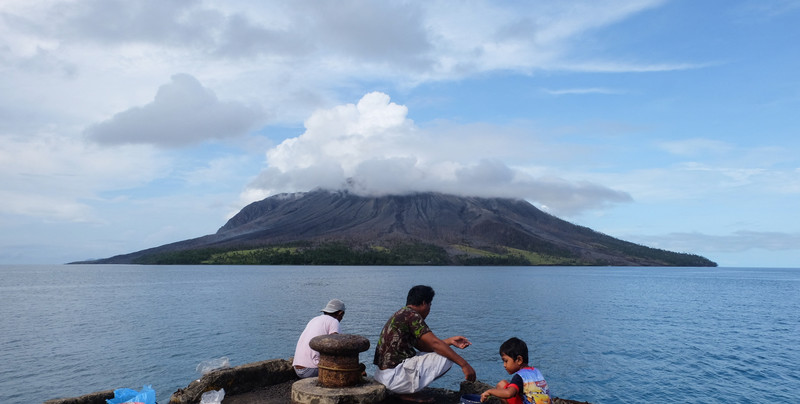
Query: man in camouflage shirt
{"points": [[400, 368]]}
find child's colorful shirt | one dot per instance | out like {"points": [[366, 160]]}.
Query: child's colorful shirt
{"points": [[531, 386]]}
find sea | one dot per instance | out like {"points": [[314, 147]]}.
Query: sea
{"points": [[598, 334]]}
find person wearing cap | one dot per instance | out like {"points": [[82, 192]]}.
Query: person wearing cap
{"points": [[306, 360]]}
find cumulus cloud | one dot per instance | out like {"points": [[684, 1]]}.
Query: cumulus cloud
{"points": [[373, 148], [183, 112]]}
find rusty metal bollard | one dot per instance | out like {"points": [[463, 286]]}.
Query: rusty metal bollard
{"points": [[338, 358]]}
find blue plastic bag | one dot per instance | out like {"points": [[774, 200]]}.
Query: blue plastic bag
{"points": [[147, 396]]}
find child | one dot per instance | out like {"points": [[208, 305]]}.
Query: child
{"points": [[527, 384]]}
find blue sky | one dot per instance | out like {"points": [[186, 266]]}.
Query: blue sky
{"points": [[127, 125]]}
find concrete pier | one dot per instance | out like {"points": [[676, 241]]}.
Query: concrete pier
{"points": [[273, 382]]}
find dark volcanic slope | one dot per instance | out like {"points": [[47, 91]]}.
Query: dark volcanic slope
{"points": [[443, 220]]}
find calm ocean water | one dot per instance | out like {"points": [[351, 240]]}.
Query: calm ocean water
{"points": [[604, 335]]}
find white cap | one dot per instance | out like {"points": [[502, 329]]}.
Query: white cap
{"points": [[334, 306]]}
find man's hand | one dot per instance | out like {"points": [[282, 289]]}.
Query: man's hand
{"points": [[458, 341], [430, 343], [469, 372]]}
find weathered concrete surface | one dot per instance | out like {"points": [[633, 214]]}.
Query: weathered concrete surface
{"points": [[235, 380], [339, 344], [99, 397], [310, 391], [477, 387], [275, 394]]}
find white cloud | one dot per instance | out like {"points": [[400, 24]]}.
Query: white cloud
{"points": [[534, 36], [183, 112], [373, 148], [54, 178], [59, 56], [432, 40], [617, 66]]}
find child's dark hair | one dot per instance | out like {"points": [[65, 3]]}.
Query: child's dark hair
{"points": [[514, 347]]}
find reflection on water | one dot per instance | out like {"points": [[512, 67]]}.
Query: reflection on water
{"points": [[598, 334]]}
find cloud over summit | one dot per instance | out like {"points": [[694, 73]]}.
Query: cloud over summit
{"points": [[373, 148]]}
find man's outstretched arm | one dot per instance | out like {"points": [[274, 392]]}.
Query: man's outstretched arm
{"points": [[431, 343], [458, 341]]}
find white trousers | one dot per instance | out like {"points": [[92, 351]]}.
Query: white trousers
{"points": [[414, 374]]}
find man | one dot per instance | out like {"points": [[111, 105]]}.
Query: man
{"points": [[400, 368], [306, 360]]}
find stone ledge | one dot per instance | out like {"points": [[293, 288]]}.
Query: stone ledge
{"points": [[235, 380], [92, 398]]}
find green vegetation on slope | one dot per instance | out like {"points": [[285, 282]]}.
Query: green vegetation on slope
{"points": [[304, 253], [510, 257], [326, 254]]}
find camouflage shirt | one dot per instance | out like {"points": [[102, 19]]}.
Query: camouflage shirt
{"points": [[399, 338]]}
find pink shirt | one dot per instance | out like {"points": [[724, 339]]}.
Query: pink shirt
{"points": [[320, 325]]}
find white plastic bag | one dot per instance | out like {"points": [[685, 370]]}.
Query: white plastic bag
{"points": [[212, 397], [213, 364]]}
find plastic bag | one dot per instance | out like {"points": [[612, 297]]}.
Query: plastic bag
{"points": [[146, 396], [212, 397], [213, 364]]}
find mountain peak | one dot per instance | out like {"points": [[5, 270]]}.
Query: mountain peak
{"points": [[455, 229]]}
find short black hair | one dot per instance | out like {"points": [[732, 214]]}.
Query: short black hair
{"points": [[514, 347], [419, 294]]}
